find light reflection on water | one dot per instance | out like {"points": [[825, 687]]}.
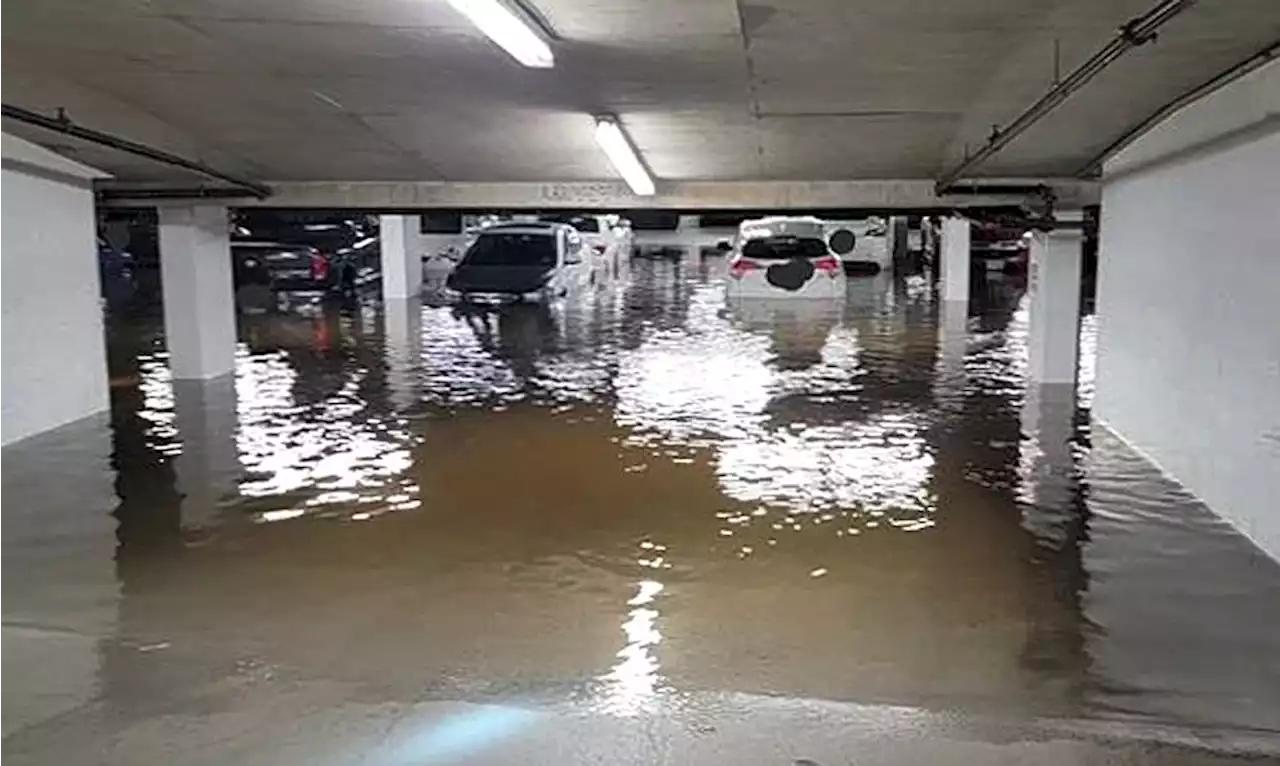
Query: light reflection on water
{"points": [[648, 491]]}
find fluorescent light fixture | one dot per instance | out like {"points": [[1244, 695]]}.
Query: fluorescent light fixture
{"points": [[509, 30], [624, 158]]}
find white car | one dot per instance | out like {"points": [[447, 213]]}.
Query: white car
{"points": [[622, 233], [601, 242], [862, 245], [784, 257], [532, 261]]}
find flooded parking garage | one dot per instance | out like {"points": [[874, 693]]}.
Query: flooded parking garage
{"points": [[642, 526]]}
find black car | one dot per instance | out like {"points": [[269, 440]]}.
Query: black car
{"points": [[280, 266], [306, 253]]}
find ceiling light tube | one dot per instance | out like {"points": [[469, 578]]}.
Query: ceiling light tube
{"points": [[624, 158], [512, 33]]}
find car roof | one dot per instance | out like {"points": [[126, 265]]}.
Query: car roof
{"points": [[782, 225]]}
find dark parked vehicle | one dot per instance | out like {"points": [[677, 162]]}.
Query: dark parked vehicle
{"points": [[998, 246], [116, 276], [305, 253], [280, 266]]}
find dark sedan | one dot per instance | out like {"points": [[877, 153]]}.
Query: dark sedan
{"points": [[322, 255]]}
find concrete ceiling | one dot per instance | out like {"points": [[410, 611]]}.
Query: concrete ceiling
{"points": [[319, 90]]}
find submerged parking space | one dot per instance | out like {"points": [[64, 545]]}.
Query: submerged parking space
{"points": [[641, 523]]}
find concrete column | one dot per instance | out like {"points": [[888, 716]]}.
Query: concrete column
{"points": [[896, 230], [199, 300], [954, 260], [1053, 290], [403, 317], [401, 238]]}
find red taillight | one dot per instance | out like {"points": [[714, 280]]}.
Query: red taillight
{"points": [[828, 264], [319, 267], [741, 266]]}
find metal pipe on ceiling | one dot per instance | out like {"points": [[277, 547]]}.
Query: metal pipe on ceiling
{"points": [[1133, 33], [118, 194], [1223, 78], [62, 125]]}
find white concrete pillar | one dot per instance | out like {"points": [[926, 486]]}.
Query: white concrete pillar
{"points": [[199, 300], [954, 261], [206, 418], [1053, 291], [401, 238]]}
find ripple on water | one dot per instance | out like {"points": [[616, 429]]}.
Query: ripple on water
{"points": [[654, 488]]}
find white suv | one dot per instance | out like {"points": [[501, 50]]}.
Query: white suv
{"points": [[784, 257]]}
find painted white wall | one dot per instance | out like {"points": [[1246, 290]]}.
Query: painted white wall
{"points": [[1188, 325], [54, 357]]}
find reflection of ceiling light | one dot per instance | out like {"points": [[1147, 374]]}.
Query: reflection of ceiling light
{"points": [[513, 34], [624, 158]]}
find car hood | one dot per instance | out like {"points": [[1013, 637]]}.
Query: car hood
{"points": [[499, 279]]}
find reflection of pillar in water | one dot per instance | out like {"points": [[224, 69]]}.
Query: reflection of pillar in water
{"points": [[1047, 462], [60, 593], [953, 338], [1052, 503], [207, 469], [403, 320]]}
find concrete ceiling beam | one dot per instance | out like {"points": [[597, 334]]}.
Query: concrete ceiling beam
{"points": [[692, 195]]}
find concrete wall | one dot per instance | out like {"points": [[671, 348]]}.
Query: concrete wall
{"points": [[54, 359], [1188, 324]]}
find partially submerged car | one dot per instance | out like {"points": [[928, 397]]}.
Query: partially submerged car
{"points": [[530, 261], [784, 257]]}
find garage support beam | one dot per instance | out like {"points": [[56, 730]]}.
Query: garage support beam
{"points": [[878, 195], [401, 241], [1053, 290], [954, 259], [199, 300]]}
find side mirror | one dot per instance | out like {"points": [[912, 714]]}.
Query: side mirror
{"points": [[724, 245]]}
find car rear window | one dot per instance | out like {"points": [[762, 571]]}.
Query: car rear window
{"points": [[781, 248], [512, 249], [583, 223]]}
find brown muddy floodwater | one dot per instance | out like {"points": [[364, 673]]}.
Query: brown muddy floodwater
{"points": [[638, 527]]}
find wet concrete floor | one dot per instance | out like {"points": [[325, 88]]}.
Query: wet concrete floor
{"points": [[639, 527]]}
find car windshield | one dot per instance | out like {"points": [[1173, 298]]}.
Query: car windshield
{"points": [[769, 248], [512, 249], [588, 224]]}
